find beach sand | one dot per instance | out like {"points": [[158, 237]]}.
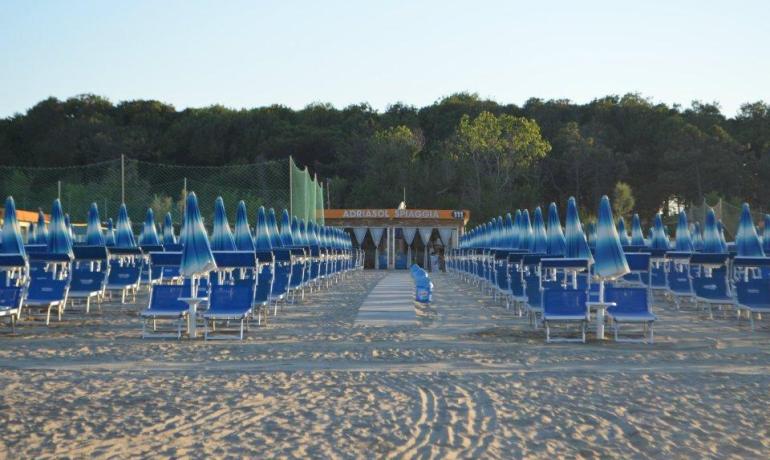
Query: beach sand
{"points": [[471, 380]]}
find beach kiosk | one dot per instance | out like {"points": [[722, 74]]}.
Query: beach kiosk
{"points": [[398, 238]]}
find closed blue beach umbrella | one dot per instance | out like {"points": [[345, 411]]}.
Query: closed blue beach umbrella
{"points": [[168, 230], [149, 235], [197, 258], [94, 235], [221, 237], [124, 236], [683, 236], [262, 236], [243, 238], [747, 241], [556, 242], [577, 244], [13, 244], [59, 241]]}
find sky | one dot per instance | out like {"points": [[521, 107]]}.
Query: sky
{"points": [[244, 54]]}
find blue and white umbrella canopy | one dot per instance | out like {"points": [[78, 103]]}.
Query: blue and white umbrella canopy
{"points": [[683, 236], [262, 232], [296, 237], [303, 232], [697, 237], [286, 234], [197, 258], [168, 230], [712, 241], [59, 241], [515, 230], [508, 232], [557, 245], [149, 235], [109, 234], [766, 235], [722, 239], [622, 234], [747, 241], [591, 234], [243, 238], [11, 234], [539, 242], [525, 231], [576, 243], [32, 234], [94, 236], [610, 261], [42, 229], [659, 239], [311, 234], [221, 238], [637, 235], [124, 236], [275, 234], [68, 225]]}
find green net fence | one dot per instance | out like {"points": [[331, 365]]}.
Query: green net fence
{"points": [[307, 195], [728, 213], [159, 186]]}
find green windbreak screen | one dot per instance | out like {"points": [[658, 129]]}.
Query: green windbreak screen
{"points": [[306, 195], [158, 186]]}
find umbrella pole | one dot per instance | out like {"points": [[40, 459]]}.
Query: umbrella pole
{"points": [[600, 312]]}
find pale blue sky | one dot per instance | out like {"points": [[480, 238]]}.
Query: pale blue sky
{"points": [[251, 53]]}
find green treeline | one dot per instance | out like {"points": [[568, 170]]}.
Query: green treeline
{"points": [[460, 152]]}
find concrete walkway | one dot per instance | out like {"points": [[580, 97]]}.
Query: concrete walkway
{"points": [[391, 302]]}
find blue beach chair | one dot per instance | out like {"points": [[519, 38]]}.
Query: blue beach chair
{"points": [[165, 305], [564, 306], [228, 303], [630, 306]]}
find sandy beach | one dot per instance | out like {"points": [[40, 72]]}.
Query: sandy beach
{"points": [[470, 380]]}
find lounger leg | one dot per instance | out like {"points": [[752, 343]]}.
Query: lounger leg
{"points": [[652, 339], [48, 316], [88, 304], [547, 332], [583, 330], [751, 321]]}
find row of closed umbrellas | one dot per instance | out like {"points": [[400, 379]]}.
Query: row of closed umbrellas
{"points": [[195, 243], [530, 234]]}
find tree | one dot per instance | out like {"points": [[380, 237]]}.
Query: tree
{"points": [[622, 200], [499, 151]]}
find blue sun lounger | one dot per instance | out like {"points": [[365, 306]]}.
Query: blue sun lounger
{"points": [[711, 286], [10, 304], [228, 303], [630, 306], [165, 306], [564, 306], [45, 295]]}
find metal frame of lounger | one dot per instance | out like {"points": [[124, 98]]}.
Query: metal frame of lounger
{"points": [[178, 317]]}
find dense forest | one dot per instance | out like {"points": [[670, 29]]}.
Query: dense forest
{"points": [[463, 151]]}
